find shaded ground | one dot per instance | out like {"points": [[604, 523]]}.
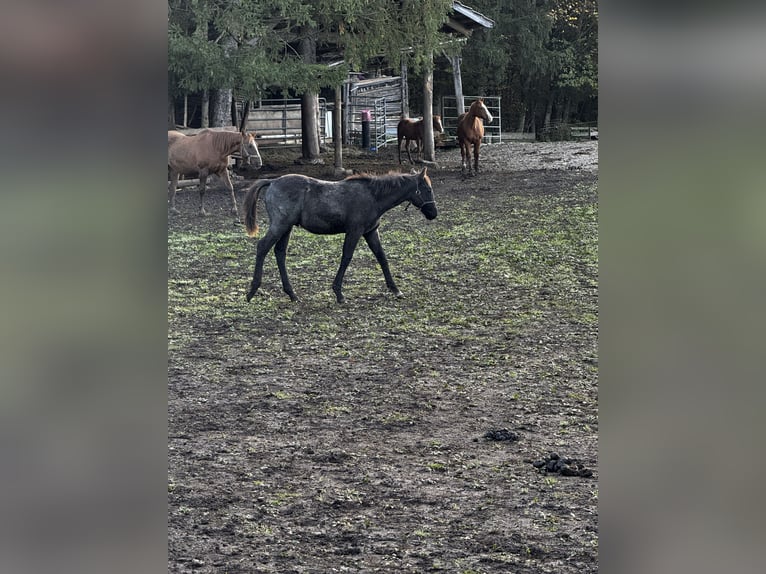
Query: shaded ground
{"points": [[392, 435]]}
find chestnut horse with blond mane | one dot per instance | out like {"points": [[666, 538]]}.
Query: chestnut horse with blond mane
{"points": [[207, 153], [470, 131]]}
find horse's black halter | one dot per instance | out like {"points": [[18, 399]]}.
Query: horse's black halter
{"points": [[420, 207]]}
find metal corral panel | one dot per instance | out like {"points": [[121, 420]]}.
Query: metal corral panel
{"points": [[492, 132]]}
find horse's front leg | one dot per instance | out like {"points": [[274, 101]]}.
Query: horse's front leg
{"points": [[172, 188], [202, 185], [349, 244], [264, 245], [280, 252], [230, 186], [476, 156], [373, 241]]}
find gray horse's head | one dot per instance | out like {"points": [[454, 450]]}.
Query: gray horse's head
{"points": [[423, 196]]}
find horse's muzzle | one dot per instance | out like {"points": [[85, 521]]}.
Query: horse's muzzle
{"points": [[429, 211], [255, 161]]}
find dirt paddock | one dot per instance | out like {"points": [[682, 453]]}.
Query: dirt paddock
{"points": [[392, 435]]}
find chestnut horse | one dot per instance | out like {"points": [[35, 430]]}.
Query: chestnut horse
{"points": [[206, 153], [412, 130], [470, 130]]}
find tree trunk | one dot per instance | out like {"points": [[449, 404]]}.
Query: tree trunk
{"points": [[222, 108], [405, 92], [559, 112], [337, 129], [345, 120], [428, 101], [567, 109], [221, 115], [523, 119], [457, 78], [234, 112], [171, 114], [205, 109], [309, 127], [549, 110], [309, 103]]}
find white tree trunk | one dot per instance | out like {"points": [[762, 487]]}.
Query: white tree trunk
{"points": [[428, 110], [205, 109], [457, 79]]}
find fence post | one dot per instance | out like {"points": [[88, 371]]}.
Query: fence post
{"points": [[365, 129]]}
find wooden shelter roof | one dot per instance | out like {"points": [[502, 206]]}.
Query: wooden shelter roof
{"points": [[464, 20]]}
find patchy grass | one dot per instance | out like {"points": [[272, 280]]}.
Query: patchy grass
{"points": [[350, 436]]}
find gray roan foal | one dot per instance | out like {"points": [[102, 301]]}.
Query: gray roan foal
{"points": [[352, 206]]}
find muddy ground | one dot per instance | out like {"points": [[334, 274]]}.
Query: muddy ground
{"points": [[392, 435]]}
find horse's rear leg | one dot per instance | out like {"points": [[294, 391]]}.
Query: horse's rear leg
{"points": [[264, 245], [349, 244], [172, 188], [280, 252], [465, 153], [373, 241]]}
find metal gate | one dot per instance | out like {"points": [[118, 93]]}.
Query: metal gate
{"points": [[492, 132], [382, 97], [384, 118]]}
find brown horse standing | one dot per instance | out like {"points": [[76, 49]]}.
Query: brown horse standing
{"points": [[207, 153], [412, 130], [470, 130]]}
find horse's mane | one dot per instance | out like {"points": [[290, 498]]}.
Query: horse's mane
{"points": [[223, 141], [379, 183], [374, 176]]}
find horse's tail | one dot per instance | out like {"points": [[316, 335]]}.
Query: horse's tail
{"points": [[250, 206]]}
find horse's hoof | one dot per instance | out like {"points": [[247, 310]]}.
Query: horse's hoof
{"points": [[250, 296], [398, 294]]}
